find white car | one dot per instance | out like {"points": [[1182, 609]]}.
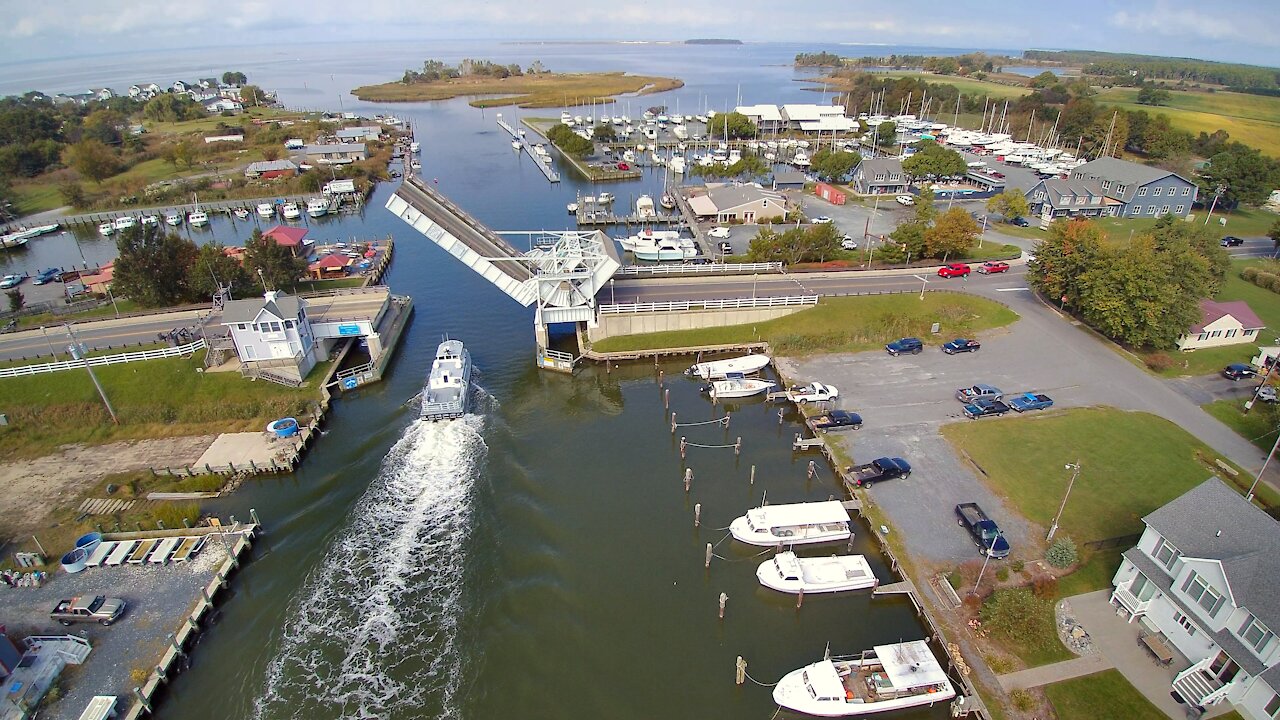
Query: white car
{"points": [[813, 392], [906, 200], [721, 233], [10, 281], [848, 243], [822, 220]]}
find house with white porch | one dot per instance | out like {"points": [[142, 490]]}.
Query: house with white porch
{"points": [[273, 333], [1222, 323], [1205, 577]]}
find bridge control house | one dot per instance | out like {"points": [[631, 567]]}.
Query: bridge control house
{"points": [[273, 336]]}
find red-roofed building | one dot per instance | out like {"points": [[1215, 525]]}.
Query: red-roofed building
{"points": [[99, 282], [329, 266], [290, 237], [1222, 323]]}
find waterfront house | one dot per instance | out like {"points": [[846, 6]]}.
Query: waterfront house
{"points": [[739, 203], [144, 91], [1139, 190], [359, 133], [288, 236], [330, 266], [100, 282], [1056, 198], [767, 118], [336, 153], [180, 86], [1222, 323], [882, 175], [1203, 578], [268, 169], [220, 104], [103, 94], [273, 333]]}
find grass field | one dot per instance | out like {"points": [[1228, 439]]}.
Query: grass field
{"points": [[1119, 481], [966, 86], [526, 91], [1253, 427], [1101, 695], [1252, 119], [47, 411], [847, 324]]}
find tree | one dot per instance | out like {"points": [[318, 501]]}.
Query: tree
{"points": [[909, 236], [1009, 204], [213, 269], [73, 193], [104, 125], [952, 235], [1152, 94], [253, 95], [563, 137], [16, 300], [834, 165], [172, 107], [926, 211], [739, 125], [271, 152], [1248, 176], [604, 132], [887, 134], [1045, 79], [932, 160], [1274, 234], [234, 78], [1059, 260], [93, 160], [153, 266], [816, 243], [272, 262], [183, 153]]}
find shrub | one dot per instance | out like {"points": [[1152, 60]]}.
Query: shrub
{"points": [[1000, 664], [1022, 700], [1045, 587], [1274, 285], [1250, 274], [1062, 553], [1018, 566], [172, 514], [1159, 361], [1002, 574], [1018, 615]]}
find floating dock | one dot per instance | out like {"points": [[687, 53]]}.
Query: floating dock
{"points": [[546, 169]]}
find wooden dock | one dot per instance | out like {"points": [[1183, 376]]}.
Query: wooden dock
{"points": [[610, 218], [904, 587], [546, 169], [802, 443], [336, 203]]}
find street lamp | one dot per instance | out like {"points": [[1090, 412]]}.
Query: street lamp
{"points": [[1054, 527], [986, 559], [1217, 193], [924, 282], [612, 298]]}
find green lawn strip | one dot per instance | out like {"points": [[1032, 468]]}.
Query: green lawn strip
{"points": [[1094, 573], [968, 86], [1263, 134], [1101, 695], [1244, 222], [1253, 426], [1132, 463], [1264, 303], [64, 355], [1206, 361], [47, 411], [50, 320], [1226, 104], [35, 197], [845, 324]]}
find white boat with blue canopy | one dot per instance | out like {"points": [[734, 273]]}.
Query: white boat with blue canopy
{"points": [[887, 677], [449, 384]]}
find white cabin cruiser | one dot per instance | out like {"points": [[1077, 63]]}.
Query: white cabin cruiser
{"points": [[836, 573], [796, 524], [887, 677], [720, 369], [173, 218], [645, 208], [317, 207], [291, 211], [198, 218], [266, 210], [737, 385], [664, 249], [449, 383], [125, 222]]}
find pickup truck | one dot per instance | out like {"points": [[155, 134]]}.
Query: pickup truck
{"points": [[960, 345], [837, 420], [99, 609], [884, 468], [978, 392], [905, 345], [1029, 401], [985, 533], [982, 407], [813, 392]]}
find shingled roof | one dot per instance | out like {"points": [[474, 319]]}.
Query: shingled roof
{"points": [[1211, 311]]}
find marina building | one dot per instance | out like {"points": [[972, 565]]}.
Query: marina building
{"points": [[294, 238], [739, 203], [1139, 190], [766, 117], [882, 175], [268, 169], [273, 332], [1056, 198], [361, 133], [336, 153], [817, 118]]}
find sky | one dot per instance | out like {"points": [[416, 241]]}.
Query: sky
{"points": [[1227, 30]]}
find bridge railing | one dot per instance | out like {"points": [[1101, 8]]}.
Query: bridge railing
{"points": [[178, 351], [720, 304], [709, 268], [366, 290]]}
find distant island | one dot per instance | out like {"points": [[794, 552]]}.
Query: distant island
{"points": [[532, 87], [712, 41]]}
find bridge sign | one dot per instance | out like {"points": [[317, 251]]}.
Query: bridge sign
{"points": [[349, 330]]}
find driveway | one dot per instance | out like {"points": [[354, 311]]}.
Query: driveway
{"points": [[1203, 389]]}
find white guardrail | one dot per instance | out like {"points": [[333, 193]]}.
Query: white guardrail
{"points": [[128, 357], [691, 269], [726, 304]]}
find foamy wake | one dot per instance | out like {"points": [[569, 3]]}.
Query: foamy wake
{"points": [[372, 632]]}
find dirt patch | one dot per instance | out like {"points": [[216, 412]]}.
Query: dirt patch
{"points": [[30, 490]]}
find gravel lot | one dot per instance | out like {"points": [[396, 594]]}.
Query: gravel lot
{"points": [[158, 598]]}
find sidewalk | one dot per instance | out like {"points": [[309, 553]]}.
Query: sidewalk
{"points": [[1056, 672]]}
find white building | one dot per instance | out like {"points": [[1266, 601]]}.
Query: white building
{"points": [[1222, 323], [1205, 576], [274, 333], [817, 118], [766, 117]]}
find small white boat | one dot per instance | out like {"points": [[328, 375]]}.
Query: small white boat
{"points": [[645, 208], [173, 218], [663, 250], [150, 220], [676, 164], [126, 222], [414, 147], [266, 210], [42, 229], [836, 573], [317, 207], [515, 144], [720, 369], [447, 393], [668, 202], [572, 208], [604, 198], [887, 677], [796, 524], [241, 213], [736, 385], [106, 228], [291, 211], [415, 165], [198, 218], [566, 118]]}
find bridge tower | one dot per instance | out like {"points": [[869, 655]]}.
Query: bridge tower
{"points": [[561, 274]]}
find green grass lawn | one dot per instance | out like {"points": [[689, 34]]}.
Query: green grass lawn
{"points": [[847, 324], [1252, 119], [1094, 573], [35, 197], [1132, 463], [1101, 695], [1253, 427], [1264, 303], [50, 320], [47, 411], [1245, 222], [967, 86]]}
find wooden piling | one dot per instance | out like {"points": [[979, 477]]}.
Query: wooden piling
{"points": [[753, 474], [737, 446], [688, 478], [800, 598], [740, 671], [707, 562], [697, 514], [724, 598]]}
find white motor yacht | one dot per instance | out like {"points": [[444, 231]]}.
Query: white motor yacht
{"points": [[448, 384], [887, 677], [317, 207], [198, 218], [835, 573], [290, 211], [173, 218], [720, 369], [796, 524], [645, 208], [106, 228], [266, 210], [414, 147], [736, 385], [126, 222], [604, 198], [241, 213], [150, 219]]}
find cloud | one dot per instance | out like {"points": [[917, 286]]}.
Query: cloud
{"points": [[1165, 19]]}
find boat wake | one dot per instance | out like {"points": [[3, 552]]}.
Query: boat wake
{"points": [[373, 631]]}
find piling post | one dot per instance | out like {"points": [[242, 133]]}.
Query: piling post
{"points": [[727, 415], [780, 416], [707, 562], [160, 673], [753, 474], [740, 671], [660, 372], [688, 478], [697, 514], [724, 599], [673, 423], [142, 699], [737, 446], [683, 445], [160, 525], [253, 513], [253, 466], [813, 469], [666, 398]]}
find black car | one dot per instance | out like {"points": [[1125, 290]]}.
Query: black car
{"points": [[960, 345], [1020, 222], [905, 345], [1237, 371], [984, 407], [1231, 241]]}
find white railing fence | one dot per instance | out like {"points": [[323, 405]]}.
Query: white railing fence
{"points": [[169, 352], [722, 304], [708, 268]]}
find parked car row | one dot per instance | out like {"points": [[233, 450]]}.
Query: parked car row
{"points": [[951, 270], [983, 400]]}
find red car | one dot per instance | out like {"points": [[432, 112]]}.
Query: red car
{"points": [[993, 267], [953, 270], [623, 166]]}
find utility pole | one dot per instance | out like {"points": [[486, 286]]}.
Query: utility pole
{"points": [[1249, 496], [77, 352], [1075, 474], [986, 559], [1217, 193]]}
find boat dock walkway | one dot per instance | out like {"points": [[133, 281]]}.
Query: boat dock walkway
{"points": [[216, 206], [906, 587], [609, 218], [546, 169]]}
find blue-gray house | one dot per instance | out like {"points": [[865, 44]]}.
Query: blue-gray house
{"points": [[1139, 190]]}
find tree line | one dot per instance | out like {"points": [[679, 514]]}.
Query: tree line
{"points": [[435, 70], [1166, 68]]}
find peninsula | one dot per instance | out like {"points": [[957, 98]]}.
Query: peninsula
{"points": [[533, 87]]}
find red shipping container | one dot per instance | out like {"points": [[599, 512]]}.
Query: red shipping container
{"points": [[830, 194]]}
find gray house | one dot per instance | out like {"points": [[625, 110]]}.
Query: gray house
{"points": [[1139, 190], [1055, 198], [882, 175], [336, 153], [739, 203], [273, 333]]}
